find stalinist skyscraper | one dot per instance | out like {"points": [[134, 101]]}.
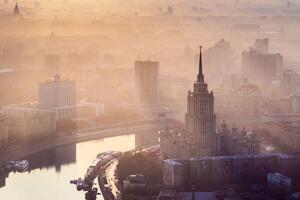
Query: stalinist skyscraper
{"points": [[199, 137], [200, 119]]}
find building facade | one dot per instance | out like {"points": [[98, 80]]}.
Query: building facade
{"points": [[287, 134], [147, 82], [26, 123], [200, 119], [235, 97], [226, 170], [218, 59], [3, 131], [262, 45], [57, 92], [260, 66], [59, 95]]}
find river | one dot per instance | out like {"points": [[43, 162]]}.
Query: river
{"points": [[51, 170]]}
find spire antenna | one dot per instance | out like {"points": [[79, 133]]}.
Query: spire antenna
{"points": [[200, 77], [16, 9]]}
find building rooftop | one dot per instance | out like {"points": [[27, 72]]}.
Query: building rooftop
{"points": [[198, 196], [136, 178], [6, 70], [166, 194]]}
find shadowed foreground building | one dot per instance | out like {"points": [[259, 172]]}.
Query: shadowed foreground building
{"points": [[200, 137], [225, 170]]}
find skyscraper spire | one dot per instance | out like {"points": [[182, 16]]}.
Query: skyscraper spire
{"points": [[16, 10], [200, 77]]}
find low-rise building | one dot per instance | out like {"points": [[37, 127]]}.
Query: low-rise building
{"points": [[79, 111], [287, 134], [26, 122], [226, 170], [89, 110]]}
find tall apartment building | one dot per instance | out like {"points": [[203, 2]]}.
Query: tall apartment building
{"points": [[261, 66], [147, 82], [218, 59]]}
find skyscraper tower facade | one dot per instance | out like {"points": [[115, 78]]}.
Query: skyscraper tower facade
{"points": [[147, 82], [201, 119]]}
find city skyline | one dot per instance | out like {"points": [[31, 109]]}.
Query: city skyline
{"points": [[116, 100]]}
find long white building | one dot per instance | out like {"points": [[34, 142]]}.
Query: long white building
{"points": [[57, 92], [59, 95]]}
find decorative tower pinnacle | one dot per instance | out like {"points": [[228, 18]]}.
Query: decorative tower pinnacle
{"points": [[16, 10], [200, 76]]}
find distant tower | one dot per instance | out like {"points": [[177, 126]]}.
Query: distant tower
{"points": [[147, 82], [16, 10]]}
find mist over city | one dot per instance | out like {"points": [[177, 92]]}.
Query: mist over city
{"points": [[149, 100]]}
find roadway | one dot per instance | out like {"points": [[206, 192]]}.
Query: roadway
{"points": [[21, 151], [110, 171]]}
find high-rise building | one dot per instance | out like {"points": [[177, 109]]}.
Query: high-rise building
{"points": [[200, 137], [260, 65], [218, 59], [200, 118], [147, 82]]}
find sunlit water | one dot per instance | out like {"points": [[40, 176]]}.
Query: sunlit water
{"points": [[53, 169]]}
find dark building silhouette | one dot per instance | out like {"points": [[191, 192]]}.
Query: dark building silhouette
{"points": [[16, 10]]}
